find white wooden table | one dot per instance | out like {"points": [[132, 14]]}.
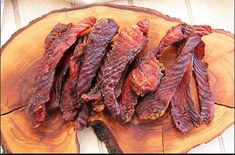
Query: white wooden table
{"points": [[217, 13]]}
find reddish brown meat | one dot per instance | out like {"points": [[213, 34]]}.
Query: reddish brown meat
{"points": [[183, 112], [174, 35], [95, 95], [154, 106], [46, 74], [143, 73], [206, 99], [130, 41], [94, 51], [143, 79], [55, 33], [128, 101], [146, 77], [68, 95], [61, 70]]}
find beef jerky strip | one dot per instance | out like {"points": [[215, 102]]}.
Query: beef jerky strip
{"points": [[146, 77], [55, 33], [206, 99], [51, 42], [61, 70], [148, 73], [95, 93], [128, 101], [154, 105], [173, 36], [130, 41], [177, 34], [184, 114], [95, 96], [68, 95], [46, 74], [94, 51]]}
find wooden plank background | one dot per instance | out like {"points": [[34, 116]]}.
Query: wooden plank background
{"points": [[217, 13]]}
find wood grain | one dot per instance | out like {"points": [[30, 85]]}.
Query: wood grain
{"points": [[19, 136], [20, 57]]}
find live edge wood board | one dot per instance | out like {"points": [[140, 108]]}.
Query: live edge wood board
{"points": [[20, 57]]}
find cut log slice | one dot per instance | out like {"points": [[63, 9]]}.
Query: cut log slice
{"points": [[19, 60]]}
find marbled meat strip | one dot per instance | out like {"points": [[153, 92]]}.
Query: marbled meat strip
{"points": [[130, 41], [206, 99], [69, 93], [46, 74], [128, 101], [184, 114], [94, 51], [95, 96], [146, 77], [154, 105], [173, 36], [55, 33], [61, 71]]}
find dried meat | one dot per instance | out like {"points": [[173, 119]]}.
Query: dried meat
{"points": [[154, 105], [94, 51], [37, 104], [128, 101], [173, 36], [61, 70], [184, 114], [95, 96], [57, 31], [146, 77], [142, 80], [206, 99], [130, 41], [68, 95]]}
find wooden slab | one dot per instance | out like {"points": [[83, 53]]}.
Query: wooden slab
{"points": [[19, 60]]}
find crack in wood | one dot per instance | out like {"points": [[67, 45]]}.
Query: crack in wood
{"points": [[226, 106], [14, 109]]}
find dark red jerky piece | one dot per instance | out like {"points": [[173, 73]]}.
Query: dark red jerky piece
{"points": [[82, 119], [95, 95], [128, 101], [61, 70], [46, 73], [174, 35], [55, 33], [206, 99], [94, 51], [146, 77], [154, 106], [68, 95], [184, 114], [129, 43]]}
